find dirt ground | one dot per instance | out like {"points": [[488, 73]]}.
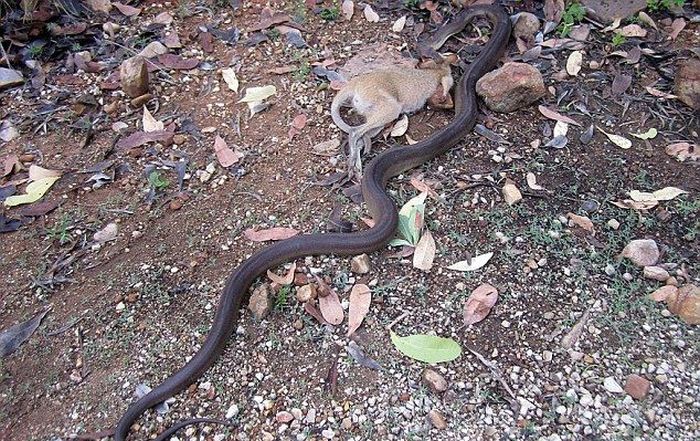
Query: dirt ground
{"points": [[132, 310]]}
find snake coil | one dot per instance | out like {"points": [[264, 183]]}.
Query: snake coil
{"points": [[382, 209]]}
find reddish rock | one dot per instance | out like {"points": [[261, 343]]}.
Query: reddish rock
{"points": [[133, 75], [687, 83], [434, 381], [511, 87], [637, 387]]}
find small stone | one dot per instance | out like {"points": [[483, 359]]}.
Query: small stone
{"points": [[232, 411], [260, 302], [121, 306], [111, 107], [310, 416], [526, 26], [612, 386], [346, 424], [614, 224], [179, 139], [284, 417], [298, 324], [637, 386], [360, 264], [656, 273], [133, 75], [300, 279], [511, 87], [437, 420], [642, 252], [609, 269], [306, 293], [328, 433], [10, 77], [586, 400], [628, 277], [434, 381]]}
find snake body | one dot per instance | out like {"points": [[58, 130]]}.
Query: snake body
{"points": [[382, 209]]}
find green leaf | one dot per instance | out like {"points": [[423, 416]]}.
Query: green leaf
{"points": [[411, 218], [427, 348], [399, 243]]}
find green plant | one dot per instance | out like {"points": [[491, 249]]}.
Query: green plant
{"points": [[273, 34], [618, 39], [157, 181], [411, 3], [330, 14], [573, 14], [302, 72], [656, 5], [283, 297], [59, 231]]}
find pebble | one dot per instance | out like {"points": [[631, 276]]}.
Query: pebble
{"points": [[614, 224], [306, 293], [232, 411], [637, 386], [328, 434], [612, 386], [437, 420], [360, 264], [434, 381]]}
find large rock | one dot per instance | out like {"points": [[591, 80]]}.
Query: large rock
{"points": [[687, 83], [133, 75], [513, 86], [609, 10], [10, 77]]}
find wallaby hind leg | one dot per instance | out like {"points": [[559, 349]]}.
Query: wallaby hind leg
{"points": [[386, 111]]}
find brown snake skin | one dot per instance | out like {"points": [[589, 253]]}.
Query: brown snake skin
{"points": [[382, 209]]}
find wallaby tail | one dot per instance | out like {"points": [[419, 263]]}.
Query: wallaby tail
{"points": [[341, 98]]}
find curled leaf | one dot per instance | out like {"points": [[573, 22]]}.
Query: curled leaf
{"points": [[287, 279], [556, 116], [230, 78], [34, 191], [225, 155], [473, 265], [649, 134], [150, 124], [532, 182], [424, 254], [400, 127], [618, 140], [276, 233], [370, 15]]}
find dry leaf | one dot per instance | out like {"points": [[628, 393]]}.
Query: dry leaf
{"points": [[127, 10], [108, 233], [9, 163], [257, 94], [329, 303], [553, 10], [635, 205], [649, 134], [34, 191], [399, 24], [370, 15], [471, 265], [327, 148], [423, 187], [556, 116], [315, 313], [400, 127], [621, 83], [677, 26], [36, 173], [511, 194], [150, 124], [632, 31], [298, 123], [225, 155], [642, 252], [276, 233], [582, 221], [287, 279], [682, 151], [573, 63], [532, 182], [618, 140], [348, 9], [360, 301], [614, 25], [153, 49], [659, 94], [230, 79], [668, 193], [424, 253], [644, 18], [479, 303]]}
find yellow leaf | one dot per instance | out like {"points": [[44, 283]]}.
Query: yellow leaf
{"points": [[34, 191]]}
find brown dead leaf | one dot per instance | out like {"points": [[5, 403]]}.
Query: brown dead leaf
{"points": [[635, 205], [315, 313], [360, 301], [287, 279], [36, 173], [642, 252], [127, 10], [632, 31], [269, 19], [424, 253], [275, 233], [226, 156], [423, 187], [621, 83], [553, 10], [9, 164], [282, 70], [329, 303], [676, 27], [659, 93], [138, 139], [479, 303], [582, 222], [556, 116], [683, 150], [511, 194], [298, 123], [176, 62]]}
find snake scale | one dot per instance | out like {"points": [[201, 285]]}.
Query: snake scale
{"points": [[382, 209]]}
